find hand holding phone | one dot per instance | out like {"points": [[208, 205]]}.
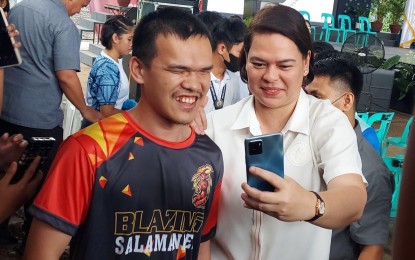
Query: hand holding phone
{"points": [[9, 54], [38, 146], [265, 152]]}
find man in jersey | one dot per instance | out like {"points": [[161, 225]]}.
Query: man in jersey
{"points": [[226, 86], [139, 184]]}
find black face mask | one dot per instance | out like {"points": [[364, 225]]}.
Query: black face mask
{"points": [[233, 64]]}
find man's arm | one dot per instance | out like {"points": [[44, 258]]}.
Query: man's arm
{"points": [[109, 110], [45, 242], [71, 86], [204, 251], [371, 252]]}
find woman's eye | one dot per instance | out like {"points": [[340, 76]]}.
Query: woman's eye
{"points": [[258, 65], [285, 67]]}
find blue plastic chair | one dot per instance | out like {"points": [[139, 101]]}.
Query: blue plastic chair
{"points": [[400, 141], [383, 121], [394, 165], [365, 27], [364, 116], [328, 27], [345, 26], [306, 16]]}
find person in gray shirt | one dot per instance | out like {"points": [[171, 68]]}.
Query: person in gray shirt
{"points": [[50, 53], [341, 82]]}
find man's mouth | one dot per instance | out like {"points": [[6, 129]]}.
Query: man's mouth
{"points": [[187, 100]]}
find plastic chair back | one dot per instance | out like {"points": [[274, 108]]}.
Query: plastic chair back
{"points": [[364, 24], [305, 14], [384, 119], [405, 133], [400, 141], [364, 116], [345, 23], [328, 20], [394, 165]]}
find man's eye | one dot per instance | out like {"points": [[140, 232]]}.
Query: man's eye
{"points": [[177, 71]]}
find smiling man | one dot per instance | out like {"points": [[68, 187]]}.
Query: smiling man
{"points": [[139, 183]]}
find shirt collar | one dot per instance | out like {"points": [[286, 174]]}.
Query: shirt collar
{"points": [[358, 131], [298, 122], [226, 76]]}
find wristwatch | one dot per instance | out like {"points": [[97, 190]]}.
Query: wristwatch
{"points": [[320, 207]]}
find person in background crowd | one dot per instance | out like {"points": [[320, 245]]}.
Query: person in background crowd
{"points": [[210, 19], [226, 87], [33, 91], [5, 5], [369, 133], [341, 82], [117, 187], [320, 46], [13, 195], [108, 86]]}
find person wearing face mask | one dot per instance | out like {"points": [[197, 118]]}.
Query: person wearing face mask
{"points": [[226, 86]]}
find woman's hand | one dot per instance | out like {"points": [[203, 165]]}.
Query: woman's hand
{"points": [[288, 202]]}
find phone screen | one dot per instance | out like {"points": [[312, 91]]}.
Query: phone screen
{"points": [[265, 152], [9, 56]]}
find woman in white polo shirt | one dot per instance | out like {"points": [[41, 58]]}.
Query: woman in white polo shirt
{"points": [[323, 187]]}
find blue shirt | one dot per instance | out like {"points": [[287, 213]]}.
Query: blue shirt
{"points": [[369, 134]]}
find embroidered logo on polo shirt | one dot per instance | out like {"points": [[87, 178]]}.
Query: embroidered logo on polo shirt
{"points": [[202, 183], [298, 154]]}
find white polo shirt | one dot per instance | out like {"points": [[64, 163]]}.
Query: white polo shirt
{"points": [[236, 89], [247, 234]]}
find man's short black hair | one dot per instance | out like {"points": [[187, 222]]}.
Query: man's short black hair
{"points": [[210, 19], [229, 31], [341, 71], [319, 46], [165, 21]]}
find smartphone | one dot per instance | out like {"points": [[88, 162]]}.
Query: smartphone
{"points": [[265, 152], [9, 55], [38, 146]]}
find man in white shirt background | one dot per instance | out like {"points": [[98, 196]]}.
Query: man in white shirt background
{"points": [[226, 87]]}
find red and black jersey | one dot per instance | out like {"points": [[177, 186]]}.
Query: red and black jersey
{"points": [[125, 194]]}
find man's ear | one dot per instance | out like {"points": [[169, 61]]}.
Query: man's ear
{"points": [[348, 101], [137, 70], [221, 48]]}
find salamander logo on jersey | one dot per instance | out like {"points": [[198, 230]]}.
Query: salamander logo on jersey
{"points": [[202, 183]]}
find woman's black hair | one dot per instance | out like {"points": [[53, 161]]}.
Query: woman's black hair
{"points": [[117, 24], [282, 20]]}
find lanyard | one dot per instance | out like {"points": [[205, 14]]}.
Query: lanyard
{"points": [[217, 103]]}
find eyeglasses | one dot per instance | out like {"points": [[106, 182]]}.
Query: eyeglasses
{"points": [[339, 98]]}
